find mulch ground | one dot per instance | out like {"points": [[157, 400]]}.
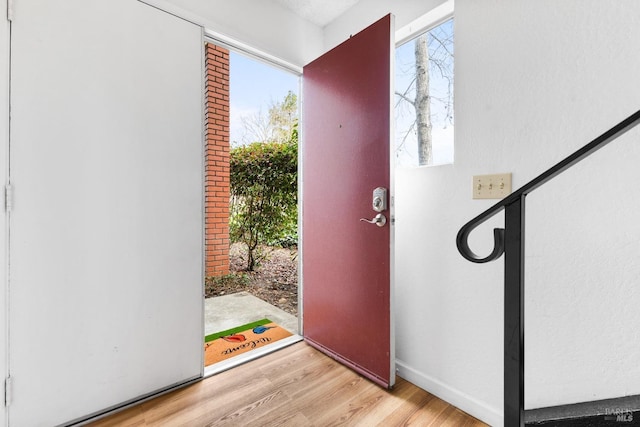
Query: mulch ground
{"points": [[275, 280]]}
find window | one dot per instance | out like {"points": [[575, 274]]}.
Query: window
{"points": [[424, 98]]}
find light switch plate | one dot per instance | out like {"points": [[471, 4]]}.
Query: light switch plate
{"points": [[495, 186]]}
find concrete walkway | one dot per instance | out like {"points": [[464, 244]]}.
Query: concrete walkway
{"points": [[230, 311]]}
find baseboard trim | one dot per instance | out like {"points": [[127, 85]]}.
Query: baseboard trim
{"points": [[457, 398], [622, 411]]}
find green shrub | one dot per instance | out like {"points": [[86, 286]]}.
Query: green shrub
{"points": [[264, 195]]}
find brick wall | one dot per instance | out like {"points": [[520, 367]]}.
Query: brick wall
{"points": [[217, 161]]}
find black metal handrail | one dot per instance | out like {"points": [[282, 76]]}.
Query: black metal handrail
{"points": [[510, 242]]}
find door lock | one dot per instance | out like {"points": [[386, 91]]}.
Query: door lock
{"points": [[379, 202]]}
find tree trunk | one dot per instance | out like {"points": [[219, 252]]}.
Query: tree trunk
{"points": [[251, 260], [423, 101]]}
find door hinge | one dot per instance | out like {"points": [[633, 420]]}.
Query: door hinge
{"points": [[8, 197], [8, 391], [10, 10]]}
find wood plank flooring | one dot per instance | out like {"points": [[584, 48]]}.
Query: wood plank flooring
{"points": [[296, 386]]}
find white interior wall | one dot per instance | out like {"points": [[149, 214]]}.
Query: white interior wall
{"points": [[366, 12], [534, 82], [262, 25]]}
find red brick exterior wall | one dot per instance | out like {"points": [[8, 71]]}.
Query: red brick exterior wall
{"points": [[217, 161]]}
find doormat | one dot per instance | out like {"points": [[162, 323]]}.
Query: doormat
{"points": [[229, 343]]}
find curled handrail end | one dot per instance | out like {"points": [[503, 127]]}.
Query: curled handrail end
{"points": [[462, 242]]}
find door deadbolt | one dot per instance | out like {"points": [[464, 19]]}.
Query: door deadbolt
{"points": [[379, 202]]}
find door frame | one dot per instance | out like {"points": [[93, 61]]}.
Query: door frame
{"points": [[218, 39], [399, 36], [5, 236]]}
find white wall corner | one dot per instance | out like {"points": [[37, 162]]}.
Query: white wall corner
{"points": [[264, 26], [449, 394]]}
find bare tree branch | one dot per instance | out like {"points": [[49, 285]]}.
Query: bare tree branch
{"points": [[406, 135], [442, 43], [406, 98]]}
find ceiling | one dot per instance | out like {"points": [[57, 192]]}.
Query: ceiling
{"points": [[320, 12]]}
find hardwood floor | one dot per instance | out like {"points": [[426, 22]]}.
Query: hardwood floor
{"points": [[296, 386]]}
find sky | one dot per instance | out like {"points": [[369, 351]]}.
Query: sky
{"points": [[255, 85]]}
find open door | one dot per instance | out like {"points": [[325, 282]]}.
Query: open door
{"points": [[347, 219]]}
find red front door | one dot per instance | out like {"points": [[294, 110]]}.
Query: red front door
{"points": [[346, 284]]}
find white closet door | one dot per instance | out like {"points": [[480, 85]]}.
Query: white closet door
{"points": [[106, 228]]}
